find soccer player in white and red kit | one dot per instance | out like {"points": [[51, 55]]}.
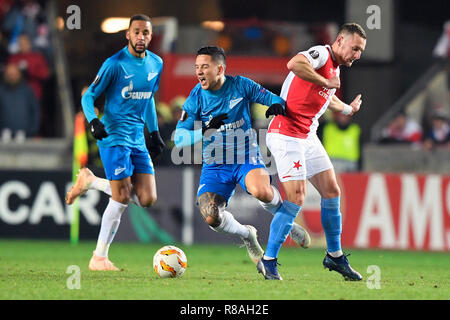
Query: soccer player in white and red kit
{"points": [[299, 155]]}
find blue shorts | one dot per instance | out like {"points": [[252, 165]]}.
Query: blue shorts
{"points": [[223, 178], [121, 162]]}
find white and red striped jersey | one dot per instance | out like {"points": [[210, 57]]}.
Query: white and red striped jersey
{"points": [[306, 101]]}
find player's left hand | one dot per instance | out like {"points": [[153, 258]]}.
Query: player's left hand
{"points": [[275, 110], [356, 104], [156, 145], [215, 123]]}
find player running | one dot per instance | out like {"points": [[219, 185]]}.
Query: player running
{"points": [[218, 98], [217, 111], [129, 79], [299, 155]]}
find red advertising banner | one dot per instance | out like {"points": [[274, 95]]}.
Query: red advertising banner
{"points": [[178, 78], [389, 211]]}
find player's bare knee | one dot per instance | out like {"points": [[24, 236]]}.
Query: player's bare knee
{"points": [[152, 200], [210, 212], [147, 200], [122, 193], [213, 221], [297, 198], [122, 198], [211, 215], [332, 192], [262, 193], [210, 205]]}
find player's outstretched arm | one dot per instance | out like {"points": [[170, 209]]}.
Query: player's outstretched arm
{"points": [[257, 93]]}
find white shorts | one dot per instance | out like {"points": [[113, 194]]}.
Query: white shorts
{"points": [[297, 159]]}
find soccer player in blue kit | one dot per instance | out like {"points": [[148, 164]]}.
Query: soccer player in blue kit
{"points": [[129, 80], [219, 106]]}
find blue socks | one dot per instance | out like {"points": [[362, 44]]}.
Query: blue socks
{"points": [[332, 223], [280, 227], [284, 218]]}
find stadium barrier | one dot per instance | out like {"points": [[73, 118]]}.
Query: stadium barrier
{"points": [[389, 211]]}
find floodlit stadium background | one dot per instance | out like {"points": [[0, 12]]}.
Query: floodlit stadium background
{"points": [[397, 198]]}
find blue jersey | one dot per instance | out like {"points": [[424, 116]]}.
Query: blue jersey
{"points": [[129, 84], [236, 141]]}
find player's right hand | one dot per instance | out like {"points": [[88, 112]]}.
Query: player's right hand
{"points": [[216, 122], [98, 129], [333, 83]]}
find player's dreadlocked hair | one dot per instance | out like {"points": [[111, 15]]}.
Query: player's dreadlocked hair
{"points": [[217, 54], [139, 17], [351, 28]]}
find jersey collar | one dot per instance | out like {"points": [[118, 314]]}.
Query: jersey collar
{"points": [[128, 53], [332, 54]]}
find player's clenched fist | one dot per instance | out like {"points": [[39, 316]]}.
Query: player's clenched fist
{"points": [[333, 83], [98, 129]]}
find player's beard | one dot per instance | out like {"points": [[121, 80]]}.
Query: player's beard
{"points": [[136, 50]]}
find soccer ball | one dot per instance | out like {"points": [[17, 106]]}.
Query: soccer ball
{"points": [[169, 262]]}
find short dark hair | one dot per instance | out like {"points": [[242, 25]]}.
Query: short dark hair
{"points": [[352, 28], [216, 53], [139, 17]]}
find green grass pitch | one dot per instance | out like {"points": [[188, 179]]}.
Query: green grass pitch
{"points": [[32, 269]]}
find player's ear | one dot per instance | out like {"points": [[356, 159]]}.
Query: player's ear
{"points": [[127, 35], [221, 69], [341, 39]]}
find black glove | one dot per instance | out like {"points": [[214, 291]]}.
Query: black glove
{"points": [[156, 145], [98, 129], [216, 122], [275, 110]]}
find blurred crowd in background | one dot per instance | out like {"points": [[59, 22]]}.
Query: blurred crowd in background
{"points": [[434, 132], [26, 69]]}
